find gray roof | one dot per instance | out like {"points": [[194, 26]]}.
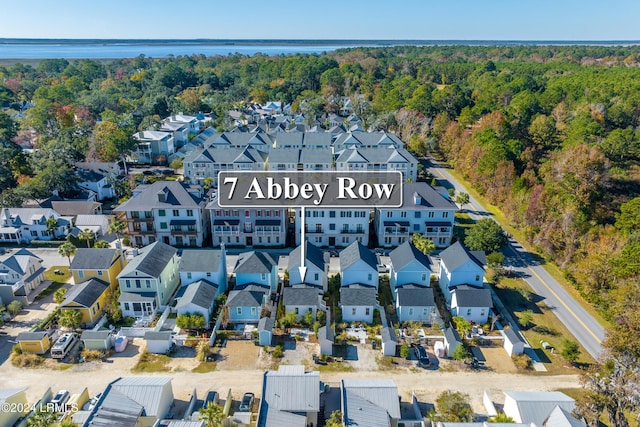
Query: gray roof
{"points": [[157, 335], [326, 333], [293, 389], [255, 262], [405, 253], [116, 409], [93, 259], [388, 334], [428, 197], [185, 423], [73, 208], [300, 296], [451, 335], [377, 398], [248, 297], [472, 297], [201, 293], [95, 335], [31, 336], [312, 254], [358, 295], [284, 155], [86, 293], [560, 417], [535, 407], [316, 155], [357, 251], [152, 260], [415, 297], [19, 262], [6, 393], [512, 335], [456, 255], [177, 194], [266, 324], [137, 297], [200, 260]]}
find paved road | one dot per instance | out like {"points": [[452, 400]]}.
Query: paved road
{"points": [[579, 322]]}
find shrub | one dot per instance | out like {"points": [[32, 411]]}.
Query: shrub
{"points": [[522, 361], [404, 350], [460, 353], [277, 352], [90, 355], [26, 360]]}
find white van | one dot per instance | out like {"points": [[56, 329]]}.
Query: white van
{"points": [[63, 346]]}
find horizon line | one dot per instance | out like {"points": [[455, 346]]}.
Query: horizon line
{"points": [[315, 40]]}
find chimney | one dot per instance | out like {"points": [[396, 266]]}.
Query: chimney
{"points": [[162, 195], [135, 252]]}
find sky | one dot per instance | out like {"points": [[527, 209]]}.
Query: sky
{"points": [[327, 19]]}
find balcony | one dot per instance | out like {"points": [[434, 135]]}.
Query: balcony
{"points": [[177, 231], [343, 231], [315, 231], [142, 232]]}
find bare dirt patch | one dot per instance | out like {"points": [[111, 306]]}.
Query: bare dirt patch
{"points": [[236, 355]]}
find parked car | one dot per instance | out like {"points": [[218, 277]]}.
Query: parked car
{"points": [[92, 403], [247, 402], [60, 398], [421, 355]]}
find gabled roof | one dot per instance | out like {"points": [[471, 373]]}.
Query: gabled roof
{"points": [[31, 336], [246, 297], [428, 197], [152, 260], [293, 389], [266, 324], [358, 295], [86, 293], [175, 195], [535, 407], [116, 409], [73, 208], [201, 293], [512, 336], [357, 251], [415, 297], [255, 262], [95, 335], [407, 252], [313, 255], [457, 255], [200, 260], [93, 259], [19, 262], [300, 296], [146, 391], [157, 335], [560, 417], [472, 297], [379, 397]]}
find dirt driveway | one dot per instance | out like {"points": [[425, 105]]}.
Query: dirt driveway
{"points": [[236, 355]]}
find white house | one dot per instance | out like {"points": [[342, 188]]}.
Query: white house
{"points": [[22, 225], [534, 407], [335, 227], [415, 303], [199, 297], [158, 342], [471, 303], [149, 280], [204, 264], [99, 224], [301, 300], [460, 266], [97, 180], [370, 402], [358, 265], [168, 211], [424, 210], [357, 303], [408, 266], [513, 344], [316, 263], [22, 272], [153, 147]]}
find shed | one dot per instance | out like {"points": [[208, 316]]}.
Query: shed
{"points": [[513, 344], [451, 340], [97, 340], [389, 341], [325, 338], [34, 342], [158, 342], [265, 331]]}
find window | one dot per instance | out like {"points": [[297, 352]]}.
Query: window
{"points": [[345, 239], [424, 311], [176, 212], [189, 275], [369, 276], [482, 312], [163, 225], [431, 214], [138, 283], [389, 214], [477, 277], [445, 214], [162, 212], [189, 212], [332, 227], [238, 310], [403, 214], [259, 239], [416, 227], [148, 283], [468, 312], [297, 311], [208, 274], [332, 214], [254, 311], [127, 283], [34, 233], [316, 276], [126, 306], [424, 277], [410, 311], [353, 311], [417, 214], [99, 272], [263, 276], [367, 311], [81, 274]]}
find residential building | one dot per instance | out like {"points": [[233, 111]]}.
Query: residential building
{"points": [[258, 268], [13, 398], [100, 263], [335, 227], [252, 227], [22, 272], [290, 397], [357, 303], [358, 265], [314, 158], [38, 342], [153, 147], [316, 263], [168, 211], [98, 178], [132, 401], [149, 280], [245, 303], [22, 225], [99, 224], [471, 303], [415, 303], [102, 339], [460, 266], [408, 266], [378, 159], [302, 300], [369, 402], [74, 208], [199, 297], [89, 298], [424, 210], [284, 159], [179, 130], [535, 407], [204, 264]]}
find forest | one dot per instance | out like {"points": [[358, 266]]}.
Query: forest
{"points": [[549, 134]]}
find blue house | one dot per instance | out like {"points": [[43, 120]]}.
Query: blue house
{"points": [[415, 303], [408, 266], [245, 304], [257, 268]]}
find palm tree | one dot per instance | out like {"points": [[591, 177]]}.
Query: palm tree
{"points": [[59, 295], [67, 249], [423, 243], [52, 224], [117, 227], [70, 318], [211, 415], [103, 244], [87, 235]]}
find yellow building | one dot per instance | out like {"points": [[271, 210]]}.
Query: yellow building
{"points": [[89, 298], [34, 342], [17, 400], [103, 264]]}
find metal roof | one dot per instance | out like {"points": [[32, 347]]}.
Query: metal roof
{"points": [[200, 260], [293, 389], [117, 409], [562, 418], [31, 336], [512, 335], [157, 335], [95, 335], [378, 399], [535, 407]]}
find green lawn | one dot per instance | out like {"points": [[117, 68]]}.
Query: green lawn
{"points": [[58, 280], [152, 363], [205, 367]]}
